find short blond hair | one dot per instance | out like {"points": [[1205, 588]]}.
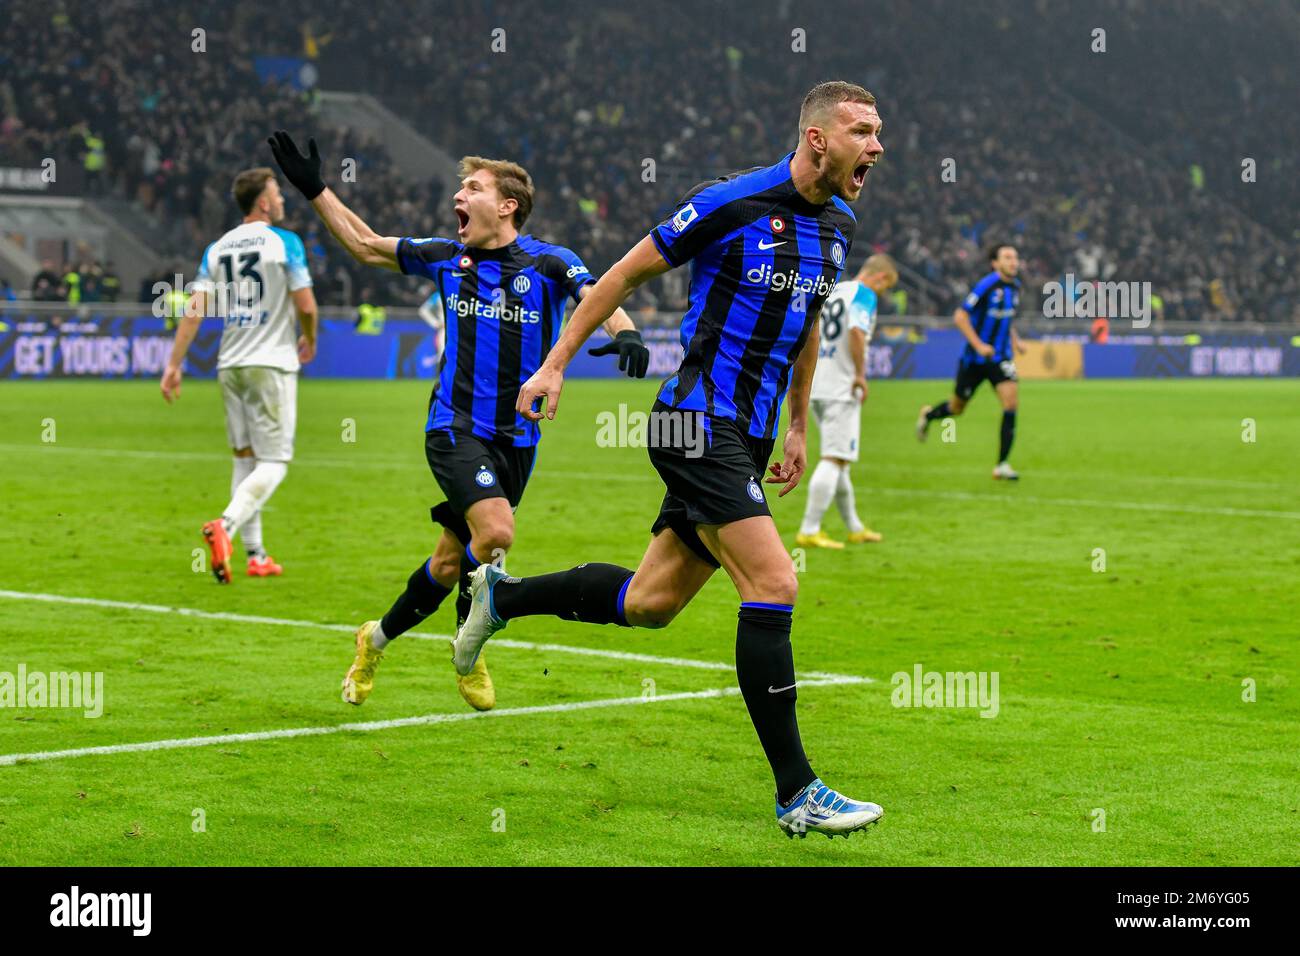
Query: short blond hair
{"points": [[512, 181], [826, 96], [881, 264]]}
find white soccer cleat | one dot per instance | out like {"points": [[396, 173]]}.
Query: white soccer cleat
{"points": [[1004, 472], [820, 809], [923, 423], [481, 622]]}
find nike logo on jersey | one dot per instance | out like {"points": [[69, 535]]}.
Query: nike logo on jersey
{"points": [[458, 275], [771, 245]]}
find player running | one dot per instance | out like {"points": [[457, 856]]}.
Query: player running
{"points": [[255, 277], [766, 248], [503, 297], [839, 388], [984, 318]]}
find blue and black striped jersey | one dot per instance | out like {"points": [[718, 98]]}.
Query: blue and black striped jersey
{"points": [[991, 305], [503, 309], [763, 260]]}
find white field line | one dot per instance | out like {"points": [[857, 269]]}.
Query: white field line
{"points": [[9, 760], [643, 475], [348, 629]]}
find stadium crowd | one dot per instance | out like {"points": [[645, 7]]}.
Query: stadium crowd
{"points": [[1001, 123], [614, 95], [174, 126]]}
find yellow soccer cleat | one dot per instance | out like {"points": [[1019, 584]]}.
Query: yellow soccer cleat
{"points": [[865, 536], [819, 540], [360, 679], [476, 686]]}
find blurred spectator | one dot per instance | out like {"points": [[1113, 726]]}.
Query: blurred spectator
{"points": [[46, 286]]}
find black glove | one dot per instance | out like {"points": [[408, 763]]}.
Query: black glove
{"points": [[302, 171], [633, 356]]}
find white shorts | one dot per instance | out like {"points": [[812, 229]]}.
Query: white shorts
{"points": [[261, 410], [840, 424]]}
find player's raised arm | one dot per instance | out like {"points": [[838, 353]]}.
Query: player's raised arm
{"points": [[362, 243], [640, 265]]}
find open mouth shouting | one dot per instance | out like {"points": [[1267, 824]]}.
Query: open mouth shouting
{"points": [[860, 173], [462, 221]]}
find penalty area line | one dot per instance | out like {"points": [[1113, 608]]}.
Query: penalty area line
{"points": [[10, 760]]}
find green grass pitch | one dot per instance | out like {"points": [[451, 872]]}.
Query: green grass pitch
{"points": [[1120, 690]]}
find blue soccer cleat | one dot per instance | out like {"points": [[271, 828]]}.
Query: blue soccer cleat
{"points": [[820, 809], [481, 622]]}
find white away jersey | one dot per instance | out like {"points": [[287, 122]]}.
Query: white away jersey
{"points": [[851, 305], [250, 271]]}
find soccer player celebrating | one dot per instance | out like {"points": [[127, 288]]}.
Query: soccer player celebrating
{"points": [[503, 297], [839, 388], [766, 248], [984, 318], [255, 277]]}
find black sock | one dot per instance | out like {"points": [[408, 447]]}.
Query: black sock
{"points": [[765, 670], [590, 592], [420, 599], [468, 563], [939, 411], [462, 599], [1008, 435]]}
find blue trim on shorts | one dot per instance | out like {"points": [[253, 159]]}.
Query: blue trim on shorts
{"points": [[622, 596]]}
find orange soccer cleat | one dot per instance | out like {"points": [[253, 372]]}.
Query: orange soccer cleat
{"points": [[219, 544], [263, 567]]}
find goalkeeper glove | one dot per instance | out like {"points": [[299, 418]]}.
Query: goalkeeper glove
{"points": [[302, 171], [633, 356]]}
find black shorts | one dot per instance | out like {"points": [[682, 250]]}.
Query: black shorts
{"points": [[716, 482], [969, 377], [469, 469]]}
